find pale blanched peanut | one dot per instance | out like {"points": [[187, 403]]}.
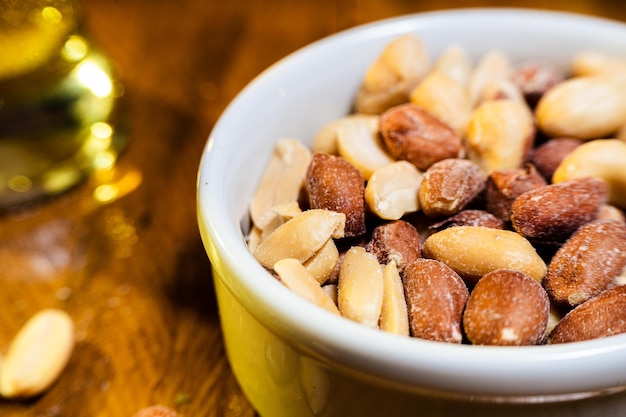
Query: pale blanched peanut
{"points": [[499, 135], [297, 279], [601, 158], [391, 191], [610, 212], [301, 237], [325, 139], [37, 355], [323, 263], [394, 317], [590, 63], [288, 210], [445, 99], [156, 411], [359, 144], [474, 251], [492, 66], [554, 316], [586, 107], [331, 291], [360, 287], [316, 385], [281, 182], [253, 239], [621, 134], [391, 77], [502, 90], [284, 212], [455, 64]]}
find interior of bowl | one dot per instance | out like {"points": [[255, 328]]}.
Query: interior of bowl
{"points": [[313, 86]]}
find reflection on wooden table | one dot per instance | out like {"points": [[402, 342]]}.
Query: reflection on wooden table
{"points": [[121, 253]]}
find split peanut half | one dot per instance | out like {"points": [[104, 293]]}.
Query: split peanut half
{"points": [[37, 355]]}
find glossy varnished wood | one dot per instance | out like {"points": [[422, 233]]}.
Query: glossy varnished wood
{"points": [[132, 272]]}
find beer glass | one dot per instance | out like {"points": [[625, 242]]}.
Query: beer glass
{"points": [[58, 100]]}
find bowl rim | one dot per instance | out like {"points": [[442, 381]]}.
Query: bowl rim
{"points": [[546, 371]]}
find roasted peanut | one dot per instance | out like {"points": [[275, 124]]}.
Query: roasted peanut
{"points": [[472, 252], [548, 156], [506, 308], [391, 191], [534, 78], [436, 297], [550, 214], [397, 241], [504, 186], [411, 133], [601, 316], [449, 186], [588, 263], [602, 158], [469, 218], [332, 183]]}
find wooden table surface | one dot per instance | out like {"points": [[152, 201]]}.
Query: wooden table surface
{"points": [[132, 273]]}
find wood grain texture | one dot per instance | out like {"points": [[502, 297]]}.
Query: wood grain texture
{"points": [[133, 273]]}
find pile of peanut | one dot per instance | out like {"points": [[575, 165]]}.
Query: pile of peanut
{"points": [[478, 203]]}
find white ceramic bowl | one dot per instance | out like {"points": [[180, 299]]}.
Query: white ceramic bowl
{"points": [[292, 358]]}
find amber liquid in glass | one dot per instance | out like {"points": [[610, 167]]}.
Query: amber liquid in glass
{"points": [[58, 100]]}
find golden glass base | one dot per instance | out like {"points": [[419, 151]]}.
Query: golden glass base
{"points": [[58, 114]]}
